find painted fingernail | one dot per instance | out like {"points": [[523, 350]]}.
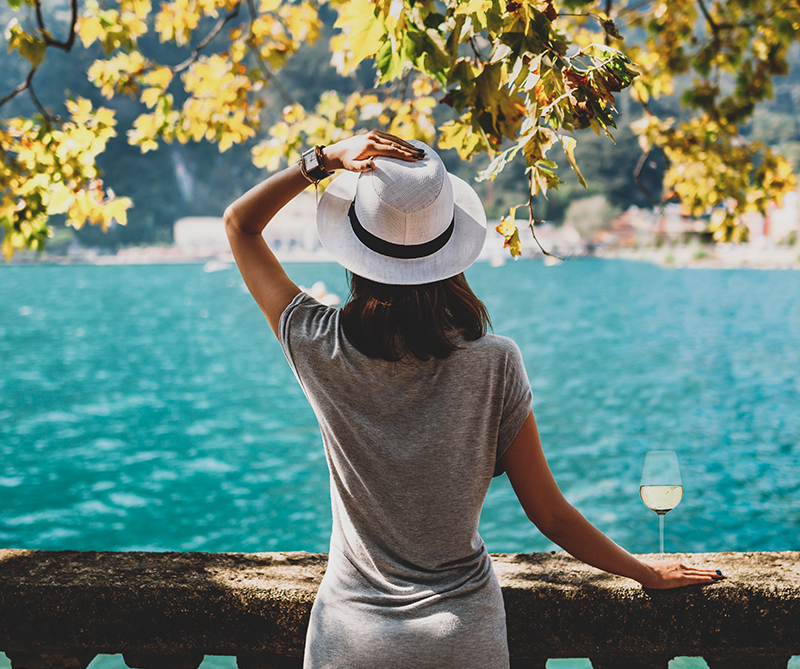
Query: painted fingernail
{"points": [[719, 573]]}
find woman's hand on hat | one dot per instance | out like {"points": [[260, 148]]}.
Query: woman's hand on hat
{"points": [[356, 153]]}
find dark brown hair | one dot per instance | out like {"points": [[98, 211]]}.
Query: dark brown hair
{"points": [[424, 321]]}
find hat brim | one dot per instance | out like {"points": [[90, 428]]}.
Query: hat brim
{"points": [[338, 238]]}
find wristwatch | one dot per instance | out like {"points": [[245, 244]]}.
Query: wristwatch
{"points": [[311, 165]]}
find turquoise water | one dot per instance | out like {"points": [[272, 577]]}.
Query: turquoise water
{"points": [[149, 407]]}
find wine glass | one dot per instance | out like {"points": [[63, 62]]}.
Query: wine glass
{"points": [[661, 488]]}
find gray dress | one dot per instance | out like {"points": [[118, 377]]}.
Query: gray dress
{"points": [[412, 447]]}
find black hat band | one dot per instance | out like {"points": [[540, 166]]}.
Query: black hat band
{"points": [[403, 251]]}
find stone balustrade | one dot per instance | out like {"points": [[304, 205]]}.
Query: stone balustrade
{"points": [[169, 610]]}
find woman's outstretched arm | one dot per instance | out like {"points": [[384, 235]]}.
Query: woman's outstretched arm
{"points": [[247, 217], [560, 522]]}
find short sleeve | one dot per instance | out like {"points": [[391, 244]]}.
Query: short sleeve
{"points": [[516, 402], [305, 322]]}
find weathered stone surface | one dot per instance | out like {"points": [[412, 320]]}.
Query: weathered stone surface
{"points": [[144, 661], [631, 662], [748, 662], [158, 603], [559, 607], [256, 606], [26, 660], [268, 662]]}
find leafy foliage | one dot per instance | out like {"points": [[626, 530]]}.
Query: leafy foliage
{"points": [[519, 77]]}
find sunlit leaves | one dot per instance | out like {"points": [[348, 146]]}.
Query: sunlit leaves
{"points": [[49, 171], [114, 28], [715, 173], [362, 34], [119, 74], [521, 77], [276, 36], [508, 228], [30, 46], [569, 148], [334, 119], [177, 20], [732, 49]]}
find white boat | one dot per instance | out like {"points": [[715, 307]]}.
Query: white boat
{"points": [[217, 266], [319, 292]]}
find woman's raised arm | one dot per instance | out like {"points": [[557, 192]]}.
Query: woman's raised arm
{"points": [[559, 521], [246, 218]]}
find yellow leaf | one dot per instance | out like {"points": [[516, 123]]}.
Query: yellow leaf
{"points": [[60, 199], [160, 76], [365, 31], [150, 96], [569, 148], [90, 29], [510, 232], [116, 210], [29, 46], [104, 116], [459, 135], [141, 8]]}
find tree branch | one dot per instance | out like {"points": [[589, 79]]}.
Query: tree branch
{"points": [[48, 38], [21, 87], [202, 44], [48, 119], [477, 55], [268, 74], [711, 23]]}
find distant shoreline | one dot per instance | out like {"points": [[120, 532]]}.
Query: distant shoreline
{"points": [[722, 256]]}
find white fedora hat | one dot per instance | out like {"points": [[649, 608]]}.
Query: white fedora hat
{"points": [[404, 223]]}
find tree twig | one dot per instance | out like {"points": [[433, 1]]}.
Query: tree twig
{"points": [[21, 87], [532, 219], [403, 86], [202, 44], [48, 38], [477, 55], [269, 75], [48, 118], [637, 177], [711, 23]]}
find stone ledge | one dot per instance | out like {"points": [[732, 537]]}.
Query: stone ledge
{"points": [[257, 604]]}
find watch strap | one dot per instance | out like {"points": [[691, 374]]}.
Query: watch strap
{"points": [[318, 172]]}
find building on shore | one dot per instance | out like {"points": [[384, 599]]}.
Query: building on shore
{"points": [[292, 234]]}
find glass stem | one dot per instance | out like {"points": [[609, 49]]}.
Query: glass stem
{"points": [[661, 533]]}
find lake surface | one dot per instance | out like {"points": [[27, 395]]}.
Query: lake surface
{"points": [[150, 408]]}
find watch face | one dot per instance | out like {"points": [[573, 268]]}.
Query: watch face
{"points": [[310, 159]]}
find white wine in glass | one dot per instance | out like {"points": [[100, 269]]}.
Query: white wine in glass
{"points": [[661, 488]]}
